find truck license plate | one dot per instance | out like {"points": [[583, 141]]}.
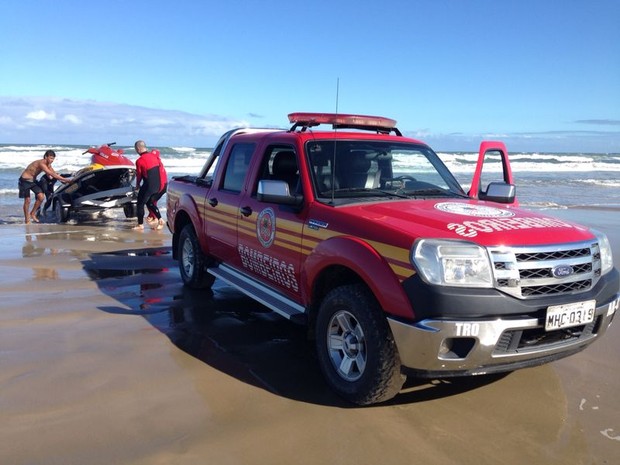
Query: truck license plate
{"points": [[568, 315]]}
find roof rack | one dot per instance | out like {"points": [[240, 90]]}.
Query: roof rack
{"points": [[341, 121]]}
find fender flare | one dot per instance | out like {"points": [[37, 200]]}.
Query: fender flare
{"points": [[364, 260], [186, 206]]}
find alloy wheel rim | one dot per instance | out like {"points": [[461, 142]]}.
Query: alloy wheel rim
{"points": [[346, 345], [188, 258]]}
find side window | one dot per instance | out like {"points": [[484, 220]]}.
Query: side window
{"points": [[212, 163], [280, 164], [237, 166], [322, 164]]}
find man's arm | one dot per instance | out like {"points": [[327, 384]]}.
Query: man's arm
{"points": [[50, 171], [139, 163]]}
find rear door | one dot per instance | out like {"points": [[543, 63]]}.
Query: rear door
{"points": [[223, 200]]}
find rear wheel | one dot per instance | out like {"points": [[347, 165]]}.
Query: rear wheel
{"points": [[130, 210], [192, 261], [61, 212], [355, 347]]}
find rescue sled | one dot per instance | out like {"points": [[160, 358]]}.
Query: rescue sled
{"points": [[106, 183]]}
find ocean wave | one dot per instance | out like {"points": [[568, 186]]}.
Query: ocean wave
{"points": [[539, 167], [562, 158], [543, 205], [602, 182], [72, 158]]}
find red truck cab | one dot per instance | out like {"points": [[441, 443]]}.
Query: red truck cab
{"points": [[366, 237]]}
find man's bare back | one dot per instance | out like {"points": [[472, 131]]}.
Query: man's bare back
{"points": [[35, 168]]}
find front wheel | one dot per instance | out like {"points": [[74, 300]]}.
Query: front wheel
{"points": [[130, 210], [355, 347], [61, 213], [192, 261]]}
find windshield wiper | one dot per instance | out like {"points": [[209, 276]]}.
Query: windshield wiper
{"points": [[433, 191], [366, 190]]}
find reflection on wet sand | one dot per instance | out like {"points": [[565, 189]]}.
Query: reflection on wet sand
{"points": [[233, 334]]}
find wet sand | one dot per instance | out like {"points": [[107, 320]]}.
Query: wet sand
{"points": [[106, 359]]}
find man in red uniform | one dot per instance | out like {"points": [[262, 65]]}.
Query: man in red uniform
{"points": [[151, 219], [149, 181]]}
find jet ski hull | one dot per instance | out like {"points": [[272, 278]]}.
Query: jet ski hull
{"points": [[94, 188]]}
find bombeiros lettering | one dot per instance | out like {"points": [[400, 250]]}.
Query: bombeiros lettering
{"points": [[472, 228], [279, 271]]}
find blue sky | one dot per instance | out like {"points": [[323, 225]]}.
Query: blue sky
{"points": [[541, 75]]}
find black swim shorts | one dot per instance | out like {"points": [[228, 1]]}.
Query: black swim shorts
{"points": [[26, 185]]}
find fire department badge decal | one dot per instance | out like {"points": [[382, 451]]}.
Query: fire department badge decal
{"points": [[479, 211], [266, 227]]}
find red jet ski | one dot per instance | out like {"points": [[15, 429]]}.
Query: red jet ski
{"points": [[106, 183]]}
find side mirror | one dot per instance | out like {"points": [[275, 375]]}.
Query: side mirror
{"points": [[204, 182], [500, 192], [491, 153], [277, 192]]}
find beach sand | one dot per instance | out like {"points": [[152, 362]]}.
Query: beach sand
{"points": [[106, 359]]}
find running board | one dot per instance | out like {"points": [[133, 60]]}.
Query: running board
{"points": [[261, 293]]}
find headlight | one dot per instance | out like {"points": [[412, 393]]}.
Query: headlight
{"points": [[607, 261], [452, 263]]}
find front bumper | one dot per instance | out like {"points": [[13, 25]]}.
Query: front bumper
{"points": [[453, 347]]}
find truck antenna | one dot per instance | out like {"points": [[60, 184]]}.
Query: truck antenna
{"points": [[337, 92], [335, 143]]}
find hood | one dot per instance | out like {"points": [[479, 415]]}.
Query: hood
{"points": [[485, 223]]}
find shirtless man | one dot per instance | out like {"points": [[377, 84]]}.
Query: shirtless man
{"points": [[28, 182]]}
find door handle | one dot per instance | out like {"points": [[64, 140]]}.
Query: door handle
{"points": [[245, 211], [213, 202]]}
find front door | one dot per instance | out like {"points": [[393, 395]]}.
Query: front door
{"points": [[269, 234]]}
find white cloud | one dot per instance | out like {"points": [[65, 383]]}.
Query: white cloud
{"points": [[88, 122], [155, 122], [72, 119], [41, 115], [206, 127]]}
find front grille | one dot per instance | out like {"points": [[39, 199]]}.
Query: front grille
{"points": [[529, 272], [552, 255], [544, 272]]}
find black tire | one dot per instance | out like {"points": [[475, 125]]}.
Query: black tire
{"points": [[61, 213], [355, 347], [192, 261], [130, 210]]}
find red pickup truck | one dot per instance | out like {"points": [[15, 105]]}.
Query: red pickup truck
{"points": [[366, 237]]}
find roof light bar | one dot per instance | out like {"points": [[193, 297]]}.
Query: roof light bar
{"points": [[366, 122]]}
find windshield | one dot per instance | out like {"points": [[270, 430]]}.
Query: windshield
{"points": [[369, 169]]}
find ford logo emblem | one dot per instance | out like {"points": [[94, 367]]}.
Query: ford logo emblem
{"points": [[562, 271]]}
